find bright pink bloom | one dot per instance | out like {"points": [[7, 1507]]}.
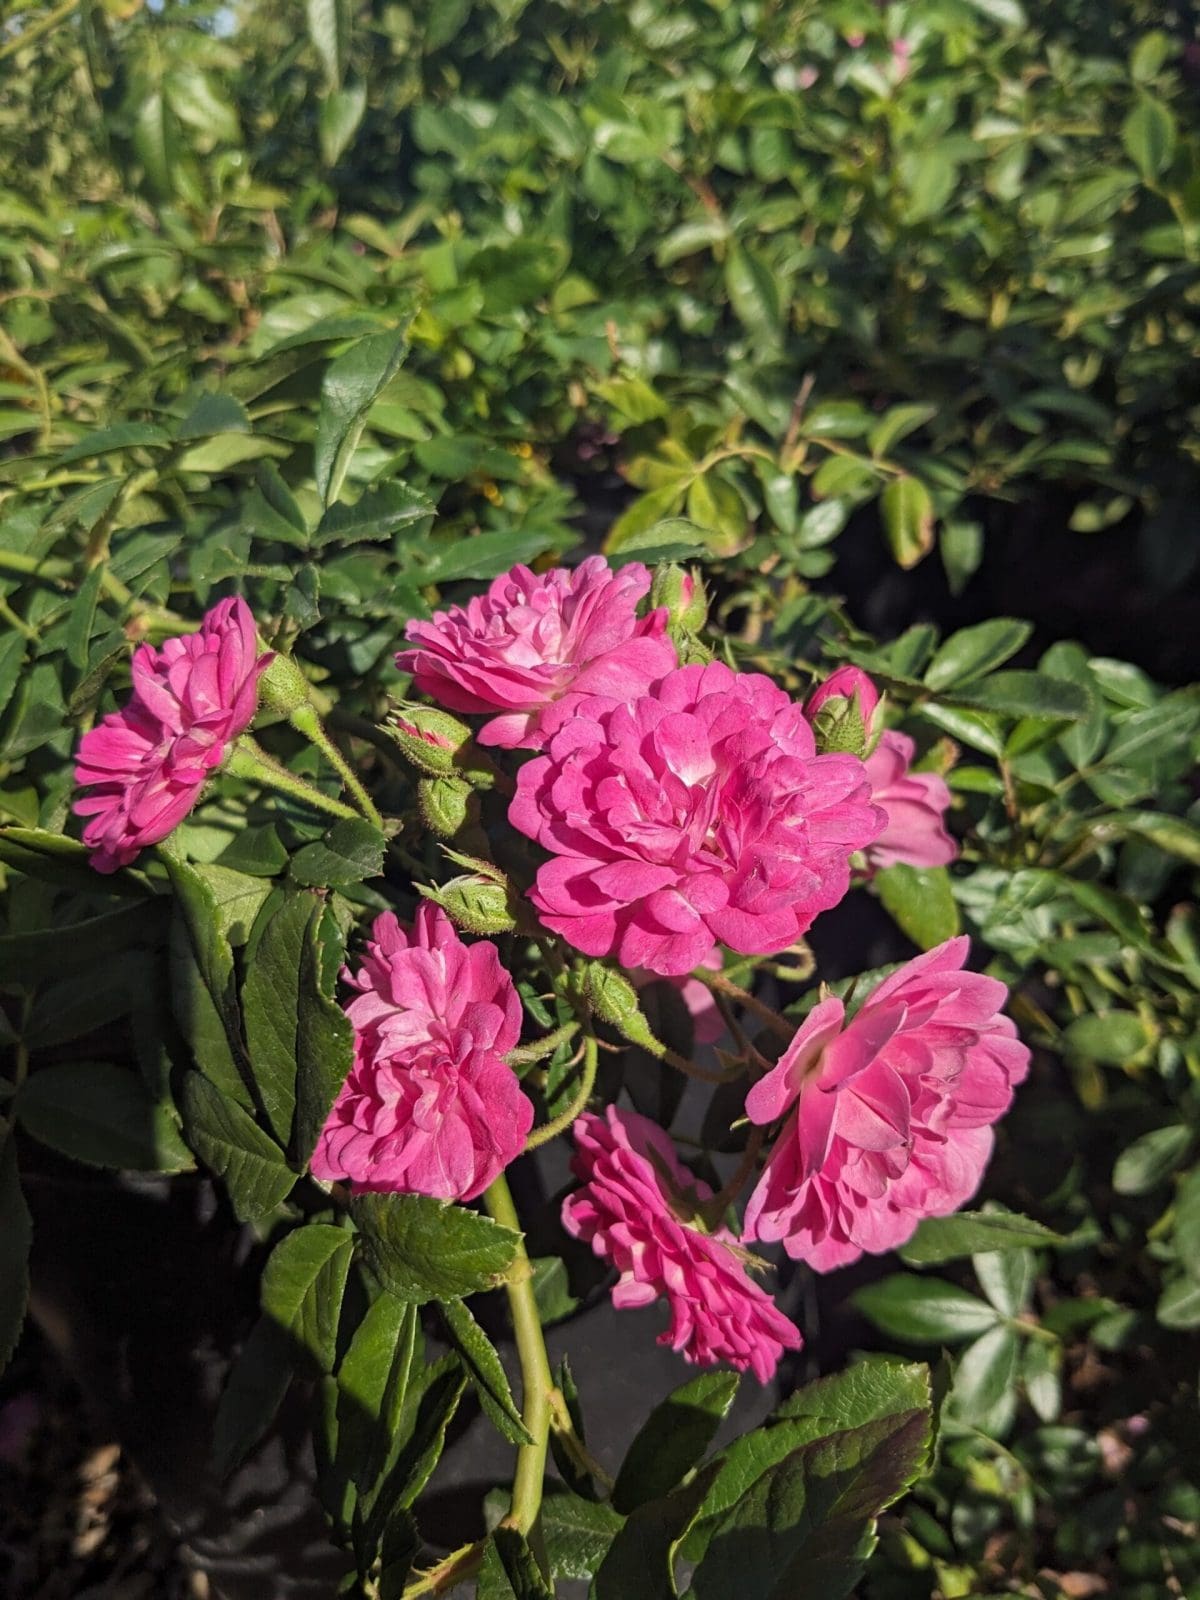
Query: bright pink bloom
{"points": [[629, 1210], [699, 813], [889, 1117], [430, 1106], [535, 641], [148, 762], [915, 804]]}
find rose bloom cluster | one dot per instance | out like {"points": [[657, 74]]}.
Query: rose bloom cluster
{"points": [[678, 809]]}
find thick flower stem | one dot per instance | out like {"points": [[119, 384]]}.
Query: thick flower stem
{"points": [[771, 1019], [306, 721], [550, 1130], [248, 761], [536, 1380]]}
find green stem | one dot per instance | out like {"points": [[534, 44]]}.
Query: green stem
{"points": [[57, 570], [35, 30], [551, 1129], [306, 721], [717, 980], [249, 761], [537, 1383]]}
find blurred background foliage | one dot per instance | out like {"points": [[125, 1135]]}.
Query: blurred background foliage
{"points": [[344, 305]]}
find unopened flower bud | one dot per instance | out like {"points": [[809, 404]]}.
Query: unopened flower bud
{"points": [[681, 592], [437, 743], [475, 903], [846, 713], [281, 690], [614, 1000], [446, 804]]}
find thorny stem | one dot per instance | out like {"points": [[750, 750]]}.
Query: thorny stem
{"points": [[249, 761], [537, 1383], [730, 1191], [306, 721], [691, 1070], [587, 1082], [722, 985], [453, 1569]]}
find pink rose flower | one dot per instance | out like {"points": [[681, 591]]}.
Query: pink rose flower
{"points": [[532, 642], [430, 1105], [148, 762], [629, 1210], [889, 1117], [915, 804], [699, 813]]}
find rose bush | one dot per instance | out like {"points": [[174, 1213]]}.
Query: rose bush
{"points": [[487, 932]]}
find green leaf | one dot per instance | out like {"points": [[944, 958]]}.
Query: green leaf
{"points": [[302, 1287], [258, 1380], [225, 450], [372, 1384], [1175, 835], [226, 1138], [1150, 1160], [324, 1035], [552, 1290], [271, 1008], [968, 1233], [423, 1249], [804, 1529], [1148, 134], [430, 1402], [525, 1578], [673, 1439], [897, 423], [907, 511], [16, 1236], [351, 851], [753, 293], [924, 1310], [377, 514], [101, 1115], [123, 436], [985, 1375], [1028, 694], [1179, 1305], [1006, 1277], [352, 385], [971, 652], [83, 615], [920, 902], [483, 1365], [640, 1561], [578, 1533], [31, 958], [329, 30], [207, 1012], [1113, 1037], [1187, 1223], [338, 119], [213, 413]]}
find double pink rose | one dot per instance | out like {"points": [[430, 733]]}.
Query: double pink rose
{"points": [[888, 1117], [533, 645], [430, 1106], [147, 763], [630, 1209], [697, 812]]}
